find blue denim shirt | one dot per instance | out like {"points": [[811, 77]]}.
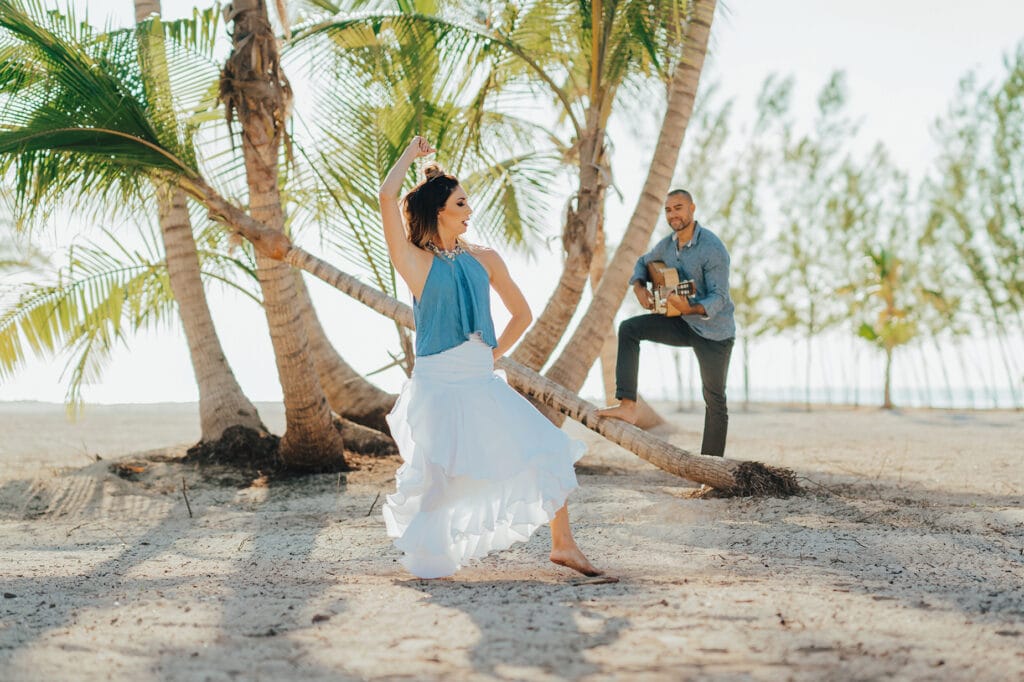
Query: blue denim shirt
{"points": [[705, 260]]}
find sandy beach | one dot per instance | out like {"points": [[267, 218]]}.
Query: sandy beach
{"points": [[903, 560]]}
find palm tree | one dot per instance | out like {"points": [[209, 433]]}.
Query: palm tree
{"points": [[348, 393], [221, 401], [893, 326], [573, 364], [254, 89], [386, 86], [729, 476], [78, 109], [105, 291], [587, 58]]}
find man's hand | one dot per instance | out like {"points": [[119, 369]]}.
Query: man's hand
{"points": [[682, 304], [643, 295]]}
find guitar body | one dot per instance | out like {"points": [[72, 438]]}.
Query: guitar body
{"points": [[665, 282]]}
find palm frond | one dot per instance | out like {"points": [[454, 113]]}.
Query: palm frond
{"points": [[359, 126], [107, 292], [458, 48], [102, 294], [201, 32], [86, 115]]}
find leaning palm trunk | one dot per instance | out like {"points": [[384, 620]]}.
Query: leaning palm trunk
{"points": [[730, 476], [578, 239], [221, 401], [571, 368], [348, 392], [254, 88], [608, 348]]}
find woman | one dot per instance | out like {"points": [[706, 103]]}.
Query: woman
{"points": [[482, 468]]}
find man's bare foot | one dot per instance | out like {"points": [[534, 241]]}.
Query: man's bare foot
{"points": [[626, 411], [573, 558]]}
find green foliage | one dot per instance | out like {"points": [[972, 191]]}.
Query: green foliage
{"points": [[85, 310], [78, 119], [890, 294], [105, 292], [394, 76], [89, 119], [977, 192], [819, 234]]}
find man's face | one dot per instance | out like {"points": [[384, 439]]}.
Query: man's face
{"points": [[679, 211]]}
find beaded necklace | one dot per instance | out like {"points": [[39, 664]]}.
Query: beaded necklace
{"points": [[450, 254]]}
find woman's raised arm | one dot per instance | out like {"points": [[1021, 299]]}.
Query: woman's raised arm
{"points": [[403, 253]]}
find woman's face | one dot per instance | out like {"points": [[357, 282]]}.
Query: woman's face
{"points": [[454, 217]]}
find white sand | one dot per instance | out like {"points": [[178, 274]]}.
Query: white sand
{"points": [[904, 560]]}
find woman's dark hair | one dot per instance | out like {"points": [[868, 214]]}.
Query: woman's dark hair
{"points": [[425, 200]]}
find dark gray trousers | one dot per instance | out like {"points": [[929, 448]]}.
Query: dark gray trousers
{"points": [[712, 357]]}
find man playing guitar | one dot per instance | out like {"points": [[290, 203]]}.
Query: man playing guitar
{"points": [[703, 320]]}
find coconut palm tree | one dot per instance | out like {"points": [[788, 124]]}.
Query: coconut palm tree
{"points": [[221, 401], [729, 476], [587, 59], [106, 290], [892, 326], [79, 116], [350, 133], [575, 360], [255, 91]]}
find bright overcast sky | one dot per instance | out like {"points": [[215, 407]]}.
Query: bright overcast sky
{"points": [[903, 59]]}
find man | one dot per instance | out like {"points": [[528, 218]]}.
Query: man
{"points": [[706, 323]]}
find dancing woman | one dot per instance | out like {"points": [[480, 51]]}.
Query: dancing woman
{"points": [[482, 468]]}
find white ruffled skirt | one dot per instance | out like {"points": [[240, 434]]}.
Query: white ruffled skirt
{"points": [[482, 467]]}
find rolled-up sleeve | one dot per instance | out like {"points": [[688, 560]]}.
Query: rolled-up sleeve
{"points": [[716, 282], [640, 270]]}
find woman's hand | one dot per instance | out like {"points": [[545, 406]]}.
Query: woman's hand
{"points": [[419, 147]]}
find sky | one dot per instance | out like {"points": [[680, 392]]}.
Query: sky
{"points": [[902, 58]]}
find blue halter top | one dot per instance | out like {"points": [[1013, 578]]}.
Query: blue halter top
{"points": [[454, 305]]}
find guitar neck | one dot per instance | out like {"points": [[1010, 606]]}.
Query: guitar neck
{"points": [[684, 288]]}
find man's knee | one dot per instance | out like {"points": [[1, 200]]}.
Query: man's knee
{"points": [[628, 328]]}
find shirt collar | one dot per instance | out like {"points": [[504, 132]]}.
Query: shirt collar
{"points": [[693, 238]]}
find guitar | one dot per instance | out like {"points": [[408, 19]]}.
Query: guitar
{"points": [[664, 283]]}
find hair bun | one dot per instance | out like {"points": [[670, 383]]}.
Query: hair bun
{"points": [[433, 170]]}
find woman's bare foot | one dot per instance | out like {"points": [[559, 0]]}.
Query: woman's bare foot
{"points": [[626, 411], [573, 558]]}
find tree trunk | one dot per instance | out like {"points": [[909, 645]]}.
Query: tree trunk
{"points": [[572, 366], [348, 392], [144, 9], [807, 361], [741, 478], [745, 349], [729, 476], [609, 349], [255, 90], [221, 400], [578, 239], [887, 404]]}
